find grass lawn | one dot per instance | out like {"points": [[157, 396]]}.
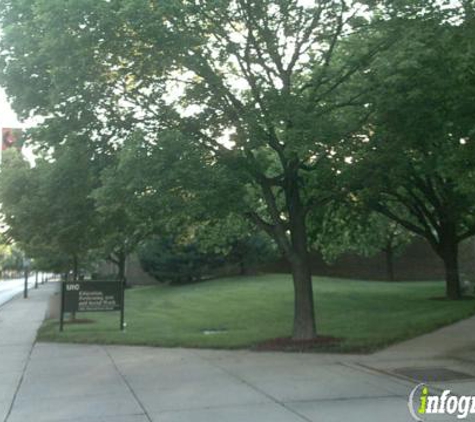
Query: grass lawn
{"points": [[367, 315]]}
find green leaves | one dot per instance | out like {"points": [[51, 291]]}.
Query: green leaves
{"points": [[266, 109], [47, 207], [418, 153]]}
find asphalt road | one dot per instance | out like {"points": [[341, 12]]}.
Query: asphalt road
{"points": [[10, 288]]}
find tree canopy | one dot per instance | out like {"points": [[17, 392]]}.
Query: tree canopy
{"points": [[244, 107], [420, 149], [47, 208]]}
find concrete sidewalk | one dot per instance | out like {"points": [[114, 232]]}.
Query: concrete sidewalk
{"points": [[74, 383], [19, 322], [449, 348], [451, 341], [135, 384]]}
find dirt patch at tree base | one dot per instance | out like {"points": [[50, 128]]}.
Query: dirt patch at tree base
{"points": [[288, 344]]}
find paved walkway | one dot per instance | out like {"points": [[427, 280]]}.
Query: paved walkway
{"points": [[450, 341], [19, 322], [79, 383]]}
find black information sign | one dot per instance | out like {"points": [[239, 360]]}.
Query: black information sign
{"points": [[92, 296]]}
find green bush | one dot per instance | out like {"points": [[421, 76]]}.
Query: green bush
{"points": [[168, 260]]}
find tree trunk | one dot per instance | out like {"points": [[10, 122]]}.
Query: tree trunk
{"points": [[242, 267], [389, 252], [292, 239], [452, 279], [304, 308], [121, 262], [75, 268]]}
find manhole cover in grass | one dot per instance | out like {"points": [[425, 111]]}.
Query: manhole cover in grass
{"points": [[213, 331], [432, 374]]}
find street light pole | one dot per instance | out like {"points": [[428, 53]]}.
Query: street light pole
{"points": [[26, 264], [25, 288]]}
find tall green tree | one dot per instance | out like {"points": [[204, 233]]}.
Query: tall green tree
{"points": [[262, 91], [260, 85], [349, 227], [47, 207], [120, 229], [419, 152], [11, 259]]}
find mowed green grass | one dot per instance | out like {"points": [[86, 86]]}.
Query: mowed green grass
{"points": [[367, 315]]}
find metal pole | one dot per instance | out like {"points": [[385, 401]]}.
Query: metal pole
{"points": [[25, 287], [122, 304], [61, 316], [36, 279]]}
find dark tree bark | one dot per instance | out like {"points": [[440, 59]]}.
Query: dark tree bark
{"points": [[121, 265], [449, 254], [242, 267], [389, 254], [441, 232], [291, 237], [120, 258], [389, 263], [75, 268], [304, 308]]}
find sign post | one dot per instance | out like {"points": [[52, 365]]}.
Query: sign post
{"points": [[92, 296]]}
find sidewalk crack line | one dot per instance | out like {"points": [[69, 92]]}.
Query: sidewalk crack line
{"points": [[128, 386], [12, 404]]}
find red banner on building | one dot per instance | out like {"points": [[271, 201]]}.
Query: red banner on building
{"points": [[11, 137]]}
